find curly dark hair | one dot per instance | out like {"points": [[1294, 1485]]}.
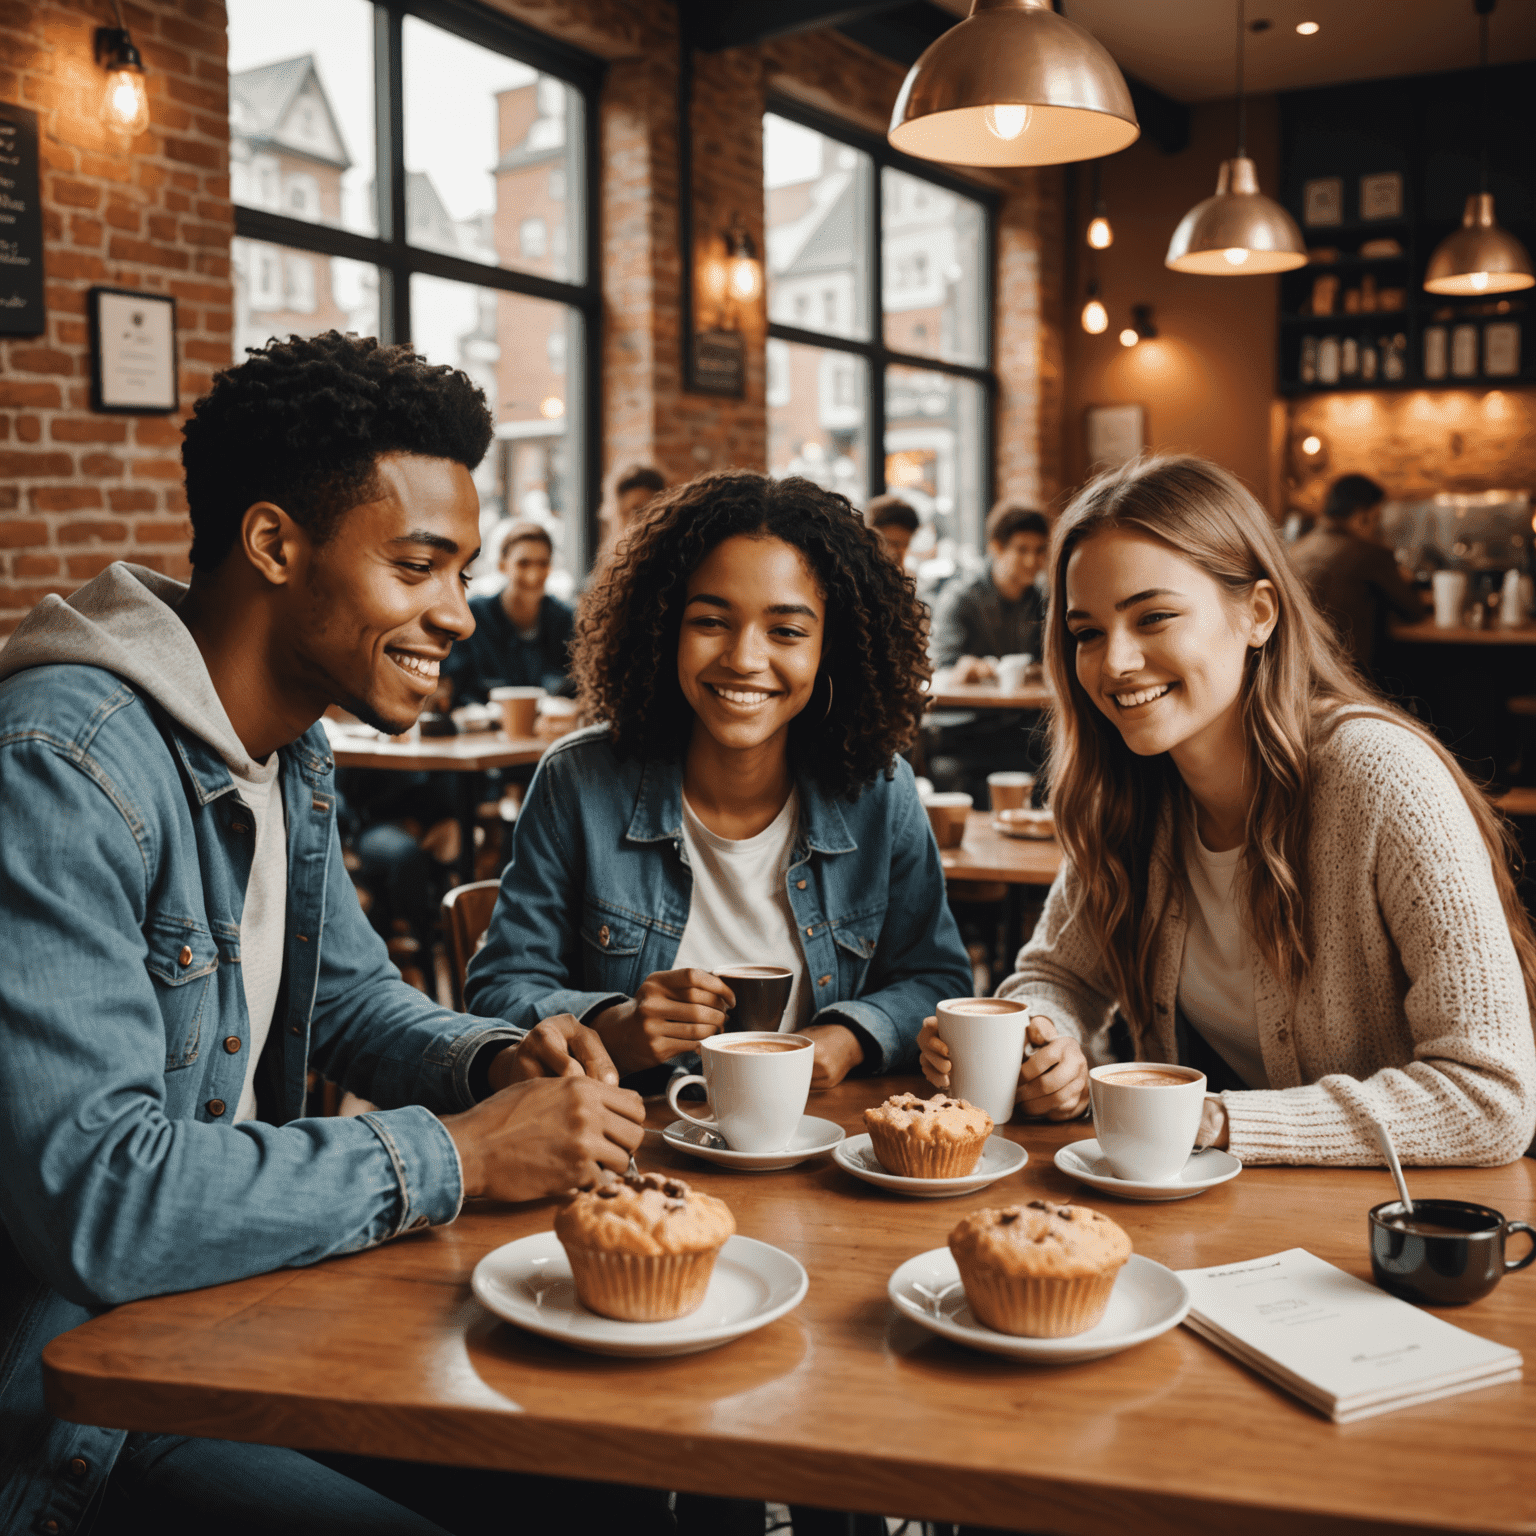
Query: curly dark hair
{"points": [[302, 423], [624, 655]]}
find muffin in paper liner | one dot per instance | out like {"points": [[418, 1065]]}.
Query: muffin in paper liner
{"points": [[641, 1288], [937, 1138], [1039, 1270], [1040, 1308], [642, 1248]]}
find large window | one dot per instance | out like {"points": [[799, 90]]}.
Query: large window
{"points": [[880, 326], [422, 171]]}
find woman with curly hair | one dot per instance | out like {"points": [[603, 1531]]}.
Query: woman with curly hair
{"points": [[1273, 874], [758, 664]]}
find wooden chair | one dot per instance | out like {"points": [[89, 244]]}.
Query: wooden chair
{"points": [[466, 915], [1520, 801]]}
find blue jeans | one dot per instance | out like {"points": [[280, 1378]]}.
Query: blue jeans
{"points": [[169, 1485]]}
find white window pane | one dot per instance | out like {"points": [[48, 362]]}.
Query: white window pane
{"points": [[818, 419], [935, 259], [283, 292], [816, 193], [301, 116], [933, 452], [519, 351], [491, 147]]}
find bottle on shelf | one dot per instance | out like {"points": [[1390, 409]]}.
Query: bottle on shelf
{"points": [[1328, 360], [1368, 360], [1307, 368], [1435, 351], [1349, 358]]}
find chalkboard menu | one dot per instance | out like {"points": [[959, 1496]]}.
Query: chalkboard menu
{"points": [[21, 226]]}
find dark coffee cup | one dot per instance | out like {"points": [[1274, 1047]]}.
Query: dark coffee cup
{"points": [[1447, 1253], [762, 995]]}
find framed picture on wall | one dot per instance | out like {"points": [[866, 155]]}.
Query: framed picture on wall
{"points": [[133, 352], [1322, 201], [1116, 434], [1381, 196]]}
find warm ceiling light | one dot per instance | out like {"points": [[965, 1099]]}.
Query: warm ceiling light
{"points": [[1013, 84], [125, 102], [1311, 445], [1307, 28], [1100, 235], [1480, 257], [1095, 317], [1239, 232], [1128, 337]]}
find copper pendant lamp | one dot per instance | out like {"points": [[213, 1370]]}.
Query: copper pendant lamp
{"points": [[1239, 232], [1480, 257], [1013, 84]]}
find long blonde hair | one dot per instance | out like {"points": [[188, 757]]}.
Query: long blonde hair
{"points": [[1109, 803]]}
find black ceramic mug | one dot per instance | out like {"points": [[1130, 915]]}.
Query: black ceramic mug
{"points": [[762, 995], [1446, 1253]]}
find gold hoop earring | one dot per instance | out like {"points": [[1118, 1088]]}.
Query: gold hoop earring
{"points": [[826, 714]]}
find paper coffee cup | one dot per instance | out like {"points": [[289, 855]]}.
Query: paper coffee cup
{"points": [[1011, 672], [1010, 791], [1450, 590], [1146, 1129], [947, 813], [985, 1036], [519, 709]]}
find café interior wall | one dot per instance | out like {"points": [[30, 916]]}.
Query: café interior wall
{"points": [[1206, 383]]}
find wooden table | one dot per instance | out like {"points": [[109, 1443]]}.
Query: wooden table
{"points": [[1427, 632], [987, 855], [843, 1403], [948, 695], [464, 756]]}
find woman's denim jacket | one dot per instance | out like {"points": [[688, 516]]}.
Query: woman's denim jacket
{"points": [[124, 855], [597, 895]]}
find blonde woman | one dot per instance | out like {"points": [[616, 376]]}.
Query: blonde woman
{"points": [[1271, 873]]}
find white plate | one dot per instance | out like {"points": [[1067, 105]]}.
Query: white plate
{"points": [[1147, 1300], [529, 1283], [1044, 832], [811, 1139], [1085, 1160], [999, 1158]]}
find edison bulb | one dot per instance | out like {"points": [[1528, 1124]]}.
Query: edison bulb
{"points": [[126, 103], [1311, 445], [1128, 337], [746, 279], [1095, 318], [1235, 255], [1308, 28], [1006, 121], [1100, 235], [1478, 281]]}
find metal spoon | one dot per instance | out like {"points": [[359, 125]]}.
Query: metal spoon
{"points": [[1388, 1151]]}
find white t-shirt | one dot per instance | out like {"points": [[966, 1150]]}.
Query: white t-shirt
{"points": [[1216, 984], [740, 912], [264, 915]]}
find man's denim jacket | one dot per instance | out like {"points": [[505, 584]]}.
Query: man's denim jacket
{"points": [[124, 855], [597, 894]]}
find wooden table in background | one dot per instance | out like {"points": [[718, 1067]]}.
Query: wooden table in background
{"points": [[843, 1403], [1427, 632], [464, 756], [947, 695]]}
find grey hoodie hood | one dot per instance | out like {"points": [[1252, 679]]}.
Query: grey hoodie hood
{"points": [[125, 621]]}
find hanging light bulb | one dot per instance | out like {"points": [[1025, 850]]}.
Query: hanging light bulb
{"points": [[1480, 257], [1095, 316], [125, 101], [1239, 232], [1100, 235], [1013, 84], [1128, 337], [1006, 122]]}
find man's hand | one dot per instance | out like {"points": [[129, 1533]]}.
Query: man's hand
{"points": [[1053, 1081], [557, 1047], [670, 1014], [838, 1052], [546, 1135]]}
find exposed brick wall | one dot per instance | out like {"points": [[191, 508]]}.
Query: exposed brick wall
{"points": [[79, 490]]}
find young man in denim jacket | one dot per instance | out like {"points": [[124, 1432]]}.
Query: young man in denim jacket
{"points": [[183, 944]]}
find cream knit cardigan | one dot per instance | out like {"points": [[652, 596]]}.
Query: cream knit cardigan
{"points": [[1413, 1012]]}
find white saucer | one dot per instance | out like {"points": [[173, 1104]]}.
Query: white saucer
{"points": [[1085, 1160], [529, 1283], [811, 1139], [999, 1158], [1147, 1300]]}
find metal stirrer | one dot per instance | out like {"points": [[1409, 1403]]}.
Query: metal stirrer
{"points": [[1388, 1151]]}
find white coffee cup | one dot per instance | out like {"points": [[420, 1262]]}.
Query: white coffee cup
{"points": [[757, 1096], [1146, 1130], [1450, 589], [1012, 670], [985, 1036]]}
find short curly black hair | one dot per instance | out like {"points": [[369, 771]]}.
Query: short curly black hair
{"points": [[302, 423], [624, 655]]}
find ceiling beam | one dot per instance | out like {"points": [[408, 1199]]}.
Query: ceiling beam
{"points": [[710, 25], [900, 32]]}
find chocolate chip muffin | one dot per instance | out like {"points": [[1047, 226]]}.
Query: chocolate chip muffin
{"points": [[1040, 1270], [937, 1138], [642, 1248]]}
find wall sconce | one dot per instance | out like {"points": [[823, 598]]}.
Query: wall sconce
{"points": [[1141, 327], [125, 102], [744, 272]]}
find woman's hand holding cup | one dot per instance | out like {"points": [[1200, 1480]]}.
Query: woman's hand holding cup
{"points": [[670, 1014], [1053, 1082]]}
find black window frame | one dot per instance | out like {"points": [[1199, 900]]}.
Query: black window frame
{"points": [[397, 261], [879, 357]]}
